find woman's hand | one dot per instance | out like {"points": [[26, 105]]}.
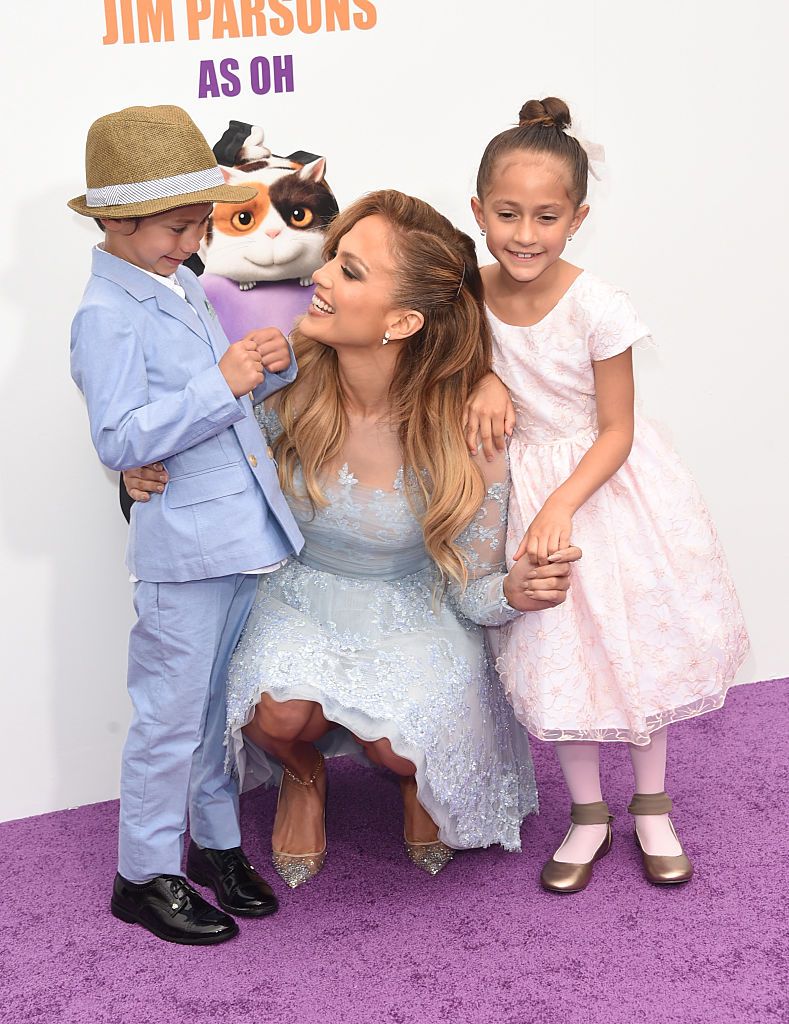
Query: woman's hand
{"points": [[530, 588], [489, 416], [550, 532], [144, 481]]}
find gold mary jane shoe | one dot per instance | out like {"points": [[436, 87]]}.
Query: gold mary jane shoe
{"points": [[430, 857], [297, 868], [660, 870], [557, 876]]}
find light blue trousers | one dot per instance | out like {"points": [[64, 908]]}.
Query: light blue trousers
{"points": [[174, 754]]}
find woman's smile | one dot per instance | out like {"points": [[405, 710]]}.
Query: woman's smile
{"points": [[319, 307]]}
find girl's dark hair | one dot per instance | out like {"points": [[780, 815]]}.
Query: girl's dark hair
{"points": [[541, 125]]}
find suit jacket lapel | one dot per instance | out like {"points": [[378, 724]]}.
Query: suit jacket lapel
{"points": [[142, 286], [206, 314], [172, 304]]}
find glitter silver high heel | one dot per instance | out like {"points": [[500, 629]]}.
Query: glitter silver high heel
{"points": [[430, 857], [297, 868]]}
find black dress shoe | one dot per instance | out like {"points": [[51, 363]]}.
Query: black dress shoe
{"points": [[170, 908], [239, 888]]}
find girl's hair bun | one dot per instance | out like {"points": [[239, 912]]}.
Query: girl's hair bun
{"points": [[541, 130], [550, 111]]}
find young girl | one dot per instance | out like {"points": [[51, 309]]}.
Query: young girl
{"points": [[651, 632]]}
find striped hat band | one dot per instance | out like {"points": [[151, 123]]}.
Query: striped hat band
{"points": [[157, 188]]}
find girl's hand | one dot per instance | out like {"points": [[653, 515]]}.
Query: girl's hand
{"points": [[489, 415], [528, 588], [144, 481], [549, 533]]}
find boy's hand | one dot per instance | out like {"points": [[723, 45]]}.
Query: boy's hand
{"points": [[144, 481], [550, 531], [242, 366], [529, 588], [273, 348], [489, 415]]}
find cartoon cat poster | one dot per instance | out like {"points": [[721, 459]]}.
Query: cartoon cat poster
{"points": [[259, 257]]}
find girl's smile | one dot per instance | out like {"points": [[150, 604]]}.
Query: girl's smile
{"points": [[527, 215]]}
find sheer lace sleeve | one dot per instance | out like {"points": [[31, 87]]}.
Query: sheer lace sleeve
{"points": [[268, 421], [482, 543]]}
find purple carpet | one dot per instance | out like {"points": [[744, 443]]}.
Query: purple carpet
{"points": [[373, 940]]}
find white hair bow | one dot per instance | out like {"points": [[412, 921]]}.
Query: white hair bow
{"points": [[595, 153]]}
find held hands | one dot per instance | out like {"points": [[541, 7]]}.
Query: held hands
{"points": [[244, 363], [548, 535], [489, 415], [530, 588]]}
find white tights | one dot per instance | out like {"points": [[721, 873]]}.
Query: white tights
{"points": [[580, 763]]}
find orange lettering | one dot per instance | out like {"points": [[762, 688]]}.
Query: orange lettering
{"points": [[127, 21], [111, 23], [308, 15], [253, 20], [225, 22], [367, 16], [196, 11], [155, 20], [337, 15], [282, 25]]}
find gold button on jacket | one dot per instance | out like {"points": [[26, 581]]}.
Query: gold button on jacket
{"points": [[252, 460]]}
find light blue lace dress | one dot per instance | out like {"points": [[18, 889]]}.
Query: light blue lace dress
{"points": [[353, 624]]}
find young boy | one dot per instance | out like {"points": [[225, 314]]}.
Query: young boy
{"points": [[162, 384]]}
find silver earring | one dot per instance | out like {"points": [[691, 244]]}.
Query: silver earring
{"points": [[569, 238], [482, 232], [385, 338]]}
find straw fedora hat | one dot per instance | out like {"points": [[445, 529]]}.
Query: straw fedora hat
{"points": [[145, 160]]}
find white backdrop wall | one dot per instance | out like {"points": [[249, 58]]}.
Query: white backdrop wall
{"points": [[690, 101]]}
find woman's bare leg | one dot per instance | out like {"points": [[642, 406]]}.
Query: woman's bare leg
{"points": [[419, 826], [288, 730]]}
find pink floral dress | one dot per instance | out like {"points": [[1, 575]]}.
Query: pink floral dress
{"points": [[652, 631]]}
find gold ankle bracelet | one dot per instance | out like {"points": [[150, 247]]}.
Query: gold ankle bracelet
{"points": [[312, 778]]}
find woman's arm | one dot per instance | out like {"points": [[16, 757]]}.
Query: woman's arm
{"points": [[492, 595], [551, 528]]}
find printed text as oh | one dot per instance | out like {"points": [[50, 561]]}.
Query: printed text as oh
{"points": [[222, 78]]}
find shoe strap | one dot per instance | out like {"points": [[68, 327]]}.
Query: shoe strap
{"points": [[591, 814], [650, 803]]}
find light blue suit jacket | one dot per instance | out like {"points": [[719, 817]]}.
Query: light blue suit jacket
{"points": [[146, 362]]}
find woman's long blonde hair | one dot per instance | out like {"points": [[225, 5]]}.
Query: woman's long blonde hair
{"points": [[436, 274]]}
